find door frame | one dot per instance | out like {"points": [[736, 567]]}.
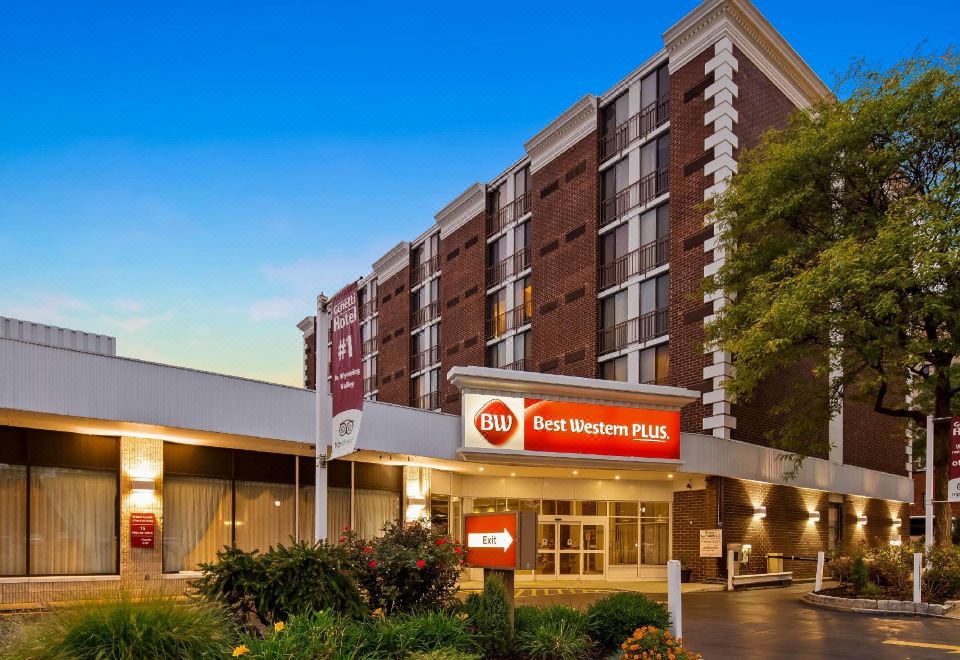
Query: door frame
{"points": [[580, 552]]}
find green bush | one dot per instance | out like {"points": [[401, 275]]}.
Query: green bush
{"points": [[859, 577], [941, 580], [890, 566], [613, 618], [840, 569], [650, 642], [125, 629], [443, 654], [315, 635], [413, 566], [402, 634], [489, 618], [284, 581], [556, 632]]}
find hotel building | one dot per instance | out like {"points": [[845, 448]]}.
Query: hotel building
{"points": [[572, 277]]}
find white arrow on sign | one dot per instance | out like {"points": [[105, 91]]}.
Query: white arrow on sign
{"points": [[491, 540]]}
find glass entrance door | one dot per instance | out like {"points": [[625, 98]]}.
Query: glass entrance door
{"points": [[571, 548]]}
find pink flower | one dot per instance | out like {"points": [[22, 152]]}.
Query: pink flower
{"points": [[458, 550], [343, 539], [367, 550], [421, 563], [441, 541], [347, 528], [373, 563]]}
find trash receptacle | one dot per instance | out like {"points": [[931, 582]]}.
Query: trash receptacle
{"points": [[775, 562]]}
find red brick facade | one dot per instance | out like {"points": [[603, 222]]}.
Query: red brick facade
{"points": [[462, 304], [393, 367], [564, 261]]}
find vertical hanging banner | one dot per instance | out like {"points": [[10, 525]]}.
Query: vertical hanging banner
{"points": [[346, 371], [953, 489]]}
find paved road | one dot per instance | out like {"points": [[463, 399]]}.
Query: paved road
{"points": [[775, 624]]}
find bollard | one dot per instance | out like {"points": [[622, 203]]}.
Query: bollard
{"points": [[673, 598], [917, 574], [821, 557]]}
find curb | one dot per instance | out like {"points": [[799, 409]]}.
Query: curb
{"points": [[878, 607]]}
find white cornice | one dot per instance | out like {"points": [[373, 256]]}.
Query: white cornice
{"points": [[307, 326], [573, 125], [468, 205], [755, 36], [392, 262]]}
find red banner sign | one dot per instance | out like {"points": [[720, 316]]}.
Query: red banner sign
{"points": [[346, 371], [953, 489], [142, 526], [571, 428]]}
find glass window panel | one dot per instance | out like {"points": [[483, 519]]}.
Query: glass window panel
{"points": [[569, 563], [373, 509], [546, 536], [593, 537], [663, 151], [593, 563], [663, 220], [196, 521], [654, 510], [624, 540], [73, 521], [663, 291], [654, 546], [648, 90], [663, 363], [625, 508], [648, 365], [569, 536], [13, 519], [265, 515], [614, 369], [484, 505]]}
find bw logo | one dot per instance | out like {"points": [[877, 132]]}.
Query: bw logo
{"points": [[496, 422]]}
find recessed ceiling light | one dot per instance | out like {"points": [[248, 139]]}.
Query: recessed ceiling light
{"points": [[669, 476], [575, 472], [480, 468], [617, 477], [513, 474]]}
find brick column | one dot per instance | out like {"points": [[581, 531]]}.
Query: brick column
{"points": [[141, 569]]}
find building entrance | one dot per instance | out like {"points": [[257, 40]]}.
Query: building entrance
{"points": [[571, 548]]}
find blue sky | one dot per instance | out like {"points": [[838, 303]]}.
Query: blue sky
{"points": [[187, 176]]}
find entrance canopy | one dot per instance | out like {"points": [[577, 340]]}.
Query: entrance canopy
{"points": [[523, 418]]}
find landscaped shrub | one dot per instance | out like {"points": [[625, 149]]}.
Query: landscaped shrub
{"points": [[556, 632], [286, 580], [403, 634], [614, 617], [125, 629], [444, 654], [413, 566], [315, 635], [649, 643], [489, 618], [941, 580], [858, 576], [890, 566], [840, 569]]}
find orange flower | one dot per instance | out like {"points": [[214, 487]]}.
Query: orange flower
{"points": [[240, 650]]}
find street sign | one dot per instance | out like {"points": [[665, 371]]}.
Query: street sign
{"points": [[507, 541], [953, 488], [142, 526], [567, 427]]}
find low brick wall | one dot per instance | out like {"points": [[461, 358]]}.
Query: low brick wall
{"points": [[875, 606]]}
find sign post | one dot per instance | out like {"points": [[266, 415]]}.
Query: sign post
{"points": [[323, 422], [502, 543]]}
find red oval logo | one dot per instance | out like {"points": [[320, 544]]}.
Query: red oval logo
{"points": [[495, 422]]}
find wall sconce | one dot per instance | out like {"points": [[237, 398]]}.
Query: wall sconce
{"points": [[143, 484], [759, 512], [861, 520], [814, 517], [897, 523]]}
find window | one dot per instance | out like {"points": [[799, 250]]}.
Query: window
{"points": [[654, 300], [521, 350], [59, 503], [615, 113], [522, 301], [615, 179], [614, 267], [615, 332], [522, 240], [655, 364], [834, 526], [521, 183], [497, 355], [498, 261], [426, 388], [654, 94], [615, 369], [654, 156], [497, 313], [639, 532], [214, 497]]}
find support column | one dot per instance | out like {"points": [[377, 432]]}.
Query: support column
{"points": [[141, 569]]}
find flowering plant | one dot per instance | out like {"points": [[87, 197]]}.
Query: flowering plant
{"points": [[411, 566], [649, 643]]}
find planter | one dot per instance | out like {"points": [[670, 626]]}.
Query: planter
{"points": [[686, 575], [874, 606]]}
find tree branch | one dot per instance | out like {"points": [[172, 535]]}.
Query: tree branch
{"points": [[904, 413]]}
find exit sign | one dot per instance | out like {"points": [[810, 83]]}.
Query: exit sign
{"points": [[507, 541]]}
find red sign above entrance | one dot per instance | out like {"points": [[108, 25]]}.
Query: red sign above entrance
{"points": [[571, 428], [501, 540], [142, 527]]}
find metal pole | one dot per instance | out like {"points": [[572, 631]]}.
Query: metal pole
{"points": [[323, 422], [928, 489], [673, 598], [917, 572]]}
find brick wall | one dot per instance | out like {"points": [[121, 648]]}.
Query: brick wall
{"points": [[687, 259], [872, 440], [564, 263], [310, 362], [393, 363], [462, 295]]}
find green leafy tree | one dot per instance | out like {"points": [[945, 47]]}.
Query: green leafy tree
{"points": [[842, 235]]}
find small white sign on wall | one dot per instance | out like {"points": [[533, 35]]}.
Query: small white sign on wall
{"points": [[711, 543]]}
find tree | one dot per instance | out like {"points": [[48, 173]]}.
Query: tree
{"points": [[842, 236]]}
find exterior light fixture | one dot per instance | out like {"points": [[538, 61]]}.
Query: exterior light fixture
{"points": [[861, 520], [143, 484], [814, 517], [897, 523], [759, 512]]}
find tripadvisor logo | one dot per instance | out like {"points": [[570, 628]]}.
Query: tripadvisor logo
{"points": [[495, 422]]}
